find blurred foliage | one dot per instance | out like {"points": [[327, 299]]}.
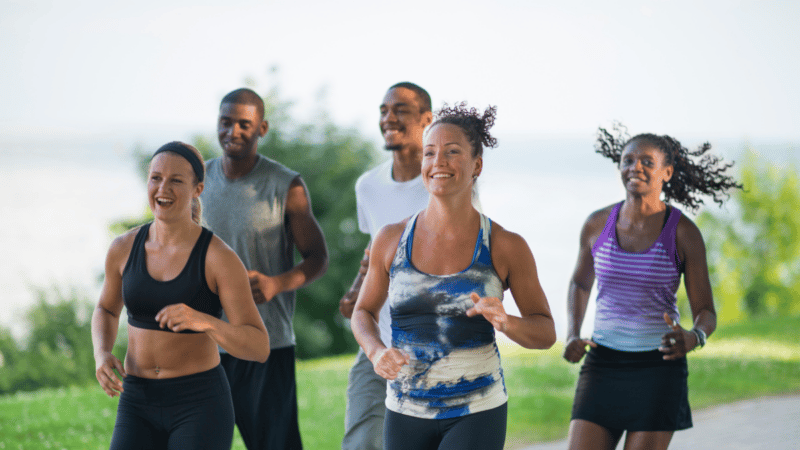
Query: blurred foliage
{"points": [[58, 348], [754, 250], [329, 159]]}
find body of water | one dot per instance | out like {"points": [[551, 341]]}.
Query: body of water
{"points": [[59, 198]]}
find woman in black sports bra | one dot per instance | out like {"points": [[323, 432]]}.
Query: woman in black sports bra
{"points": [[175, 278]]}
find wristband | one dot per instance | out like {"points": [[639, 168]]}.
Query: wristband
{"points": [[701, 337]]}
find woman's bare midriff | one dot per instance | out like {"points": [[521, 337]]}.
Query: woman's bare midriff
{"points": [[162, 354]]}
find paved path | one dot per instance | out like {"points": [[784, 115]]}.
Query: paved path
{"points": [[763, 423]]}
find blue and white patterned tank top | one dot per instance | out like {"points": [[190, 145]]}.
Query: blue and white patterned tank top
{"points": [[455, 366]]}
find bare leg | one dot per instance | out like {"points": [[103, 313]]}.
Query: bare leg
{"points": [[648, 440], [591, 436]]}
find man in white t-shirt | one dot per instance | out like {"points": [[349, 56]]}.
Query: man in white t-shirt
{"points": [[385, 194]]}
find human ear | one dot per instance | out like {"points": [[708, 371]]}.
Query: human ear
{"points": [[478, 167], [427, 118], [669, 171]]}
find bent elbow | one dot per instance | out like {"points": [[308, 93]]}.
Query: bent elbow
{"points": [[547, 339], [550, 342], [264, 356]]}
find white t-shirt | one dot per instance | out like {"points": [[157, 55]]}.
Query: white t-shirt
{"points": [[381, 201]]}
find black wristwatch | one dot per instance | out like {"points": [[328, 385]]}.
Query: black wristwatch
{"points": [[701, 336]]}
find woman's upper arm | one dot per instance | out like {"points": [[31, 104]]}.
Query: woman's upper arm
{"points": [[692, 250], [116, 258], [583, 275], [375, 288], [228, 275], [517, 267]]}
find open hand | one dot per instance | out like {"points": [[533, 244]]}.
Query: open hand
{"points": [[491, 308], [105, 365]]}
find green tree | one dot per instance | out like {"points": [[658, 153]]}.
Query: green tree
{"points": [[754, 250], [329, 159], [11, 358]]}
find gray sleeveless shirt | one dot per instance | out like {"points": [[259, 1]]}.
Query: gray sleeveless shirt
{"points": [[248, 214]]}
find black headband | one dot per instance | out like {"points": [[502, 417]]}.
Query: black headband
{"points": [[180, 148]]}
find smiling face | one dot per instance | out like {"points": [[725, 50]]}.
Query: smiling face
{"points": [[171, 186], [644, 169], [239, 128], [402, 119], [448, 165]]}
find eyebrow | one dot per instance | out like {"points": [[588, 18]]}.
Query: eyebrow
{"points": [[221, 117], [445, 144], [394, 105]]}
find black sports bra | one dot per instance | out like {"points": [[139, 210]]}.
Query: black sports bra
{"points": [[145, 297]]}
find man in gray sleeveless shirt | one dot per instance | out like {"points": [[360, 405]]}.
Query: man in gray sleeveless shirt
{"points": [[262, 210], [385, 194]]}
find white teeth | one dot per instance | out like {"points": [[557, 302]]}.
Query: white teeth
{"points": [[442, 175]]}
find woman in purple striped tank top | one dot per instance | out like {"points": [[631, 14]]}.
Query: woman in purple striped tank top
{"points": [[634, 377]]}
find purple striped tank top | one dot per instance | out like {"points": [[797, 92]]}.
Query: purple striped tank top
{"points": [[635, 289]]}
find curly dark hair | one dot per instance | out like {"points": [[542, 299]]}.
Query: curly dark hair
{"points": [[690, 179], [474, 124]]}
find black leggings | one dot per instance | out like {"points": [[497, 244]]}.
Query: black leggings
{"points": [[485, 430], [190, 412]]}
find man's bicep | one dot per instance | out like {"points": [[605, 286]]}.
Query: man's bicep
{"points": [[305, 230]]}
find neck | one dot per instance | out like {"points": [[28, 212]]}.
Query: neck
{"points": [[406, 163], [450, 215], [237, 168], [639, 208], [169, 233]]}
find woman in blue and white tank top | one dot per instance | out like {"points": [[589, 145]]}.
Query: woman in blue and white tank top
{"points": [[443, 272], [634, 376]]}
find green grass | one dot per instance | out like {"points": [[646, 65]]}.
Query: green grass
{"points": [[740, 361]]}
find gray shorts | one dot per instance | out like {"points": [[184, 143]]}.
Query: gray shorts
{"points": [[366, 407]]}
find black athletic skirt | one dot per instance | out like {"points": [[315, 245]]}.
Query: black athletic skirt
{"points": [[634, 391]]}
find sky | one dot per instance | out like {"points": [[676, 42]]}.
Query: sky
{"points": [[714, 68], [85, 81]]}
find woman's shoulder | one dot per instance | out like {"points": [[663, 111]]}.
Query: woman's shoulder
{"points": [[687, 233], [121, 246], [595, 224], [600, 216], [506, 242], [501, 235], [391, 232], [218, 250]]}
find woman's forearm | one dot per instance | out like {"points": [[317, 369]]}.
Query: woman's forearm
{"points": [[536, 331], [366, 331], [243, 341], [104, 330]]}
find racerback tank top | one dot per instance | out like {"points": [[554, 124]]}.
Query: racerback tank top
{"points": [[455, 365], [144, 296]]}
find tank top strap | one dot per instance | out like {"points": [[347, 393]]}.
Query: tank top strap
{"points": [[197, 259], [402, 255], [668, 237], [486, 231], [609, 229], [137, 255]]}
